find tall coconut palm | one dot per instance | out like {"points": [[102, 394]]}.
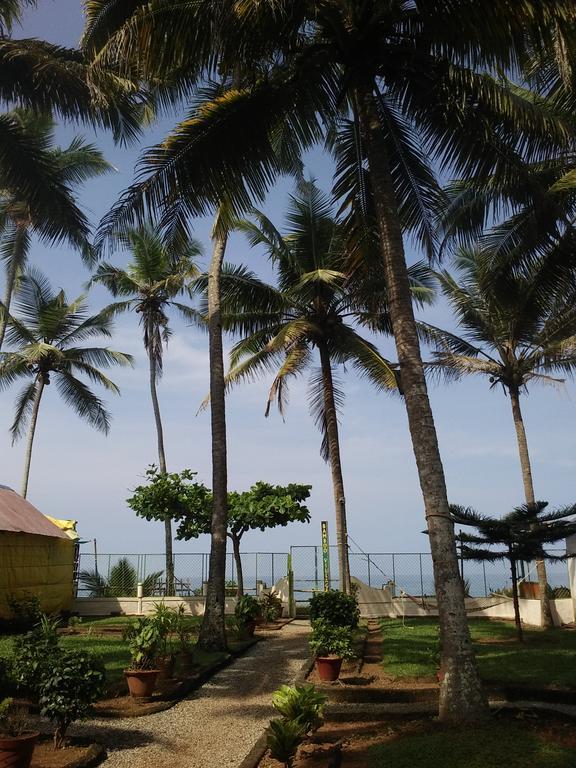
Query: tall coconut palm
{"points": [[416, 79], [21, 218], [313, 310], [159, 272], [513, 334], [46, 336]]}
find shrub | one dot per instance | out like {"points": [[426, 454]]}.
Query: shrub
{"points": [[336, 607], [271, 606], [302, 704], [283, 738], [329, 640], [247, 609], [68, 689], [14, 719], [25, 612], [144, 642], [34, 654]]}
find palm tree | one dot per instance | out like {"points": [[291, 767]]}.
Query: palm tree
{"points": [[46, 335], [160, 271], [522, 533], [415, 79], [514, 334], [314, 308], [122, 581], [20, 217]]}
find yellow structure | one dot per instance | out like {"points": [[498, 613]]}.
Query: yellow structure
{"points": [[37, 557]]}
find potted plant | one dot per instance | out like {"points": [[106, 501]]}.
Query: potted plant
{"points": [[246, 611], [331, 645], [17, 741], [165, 620], [271, 607], [185, 637], [143, 639]]}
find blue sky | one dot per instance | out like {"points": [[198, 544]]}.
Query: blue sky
{"points": [[78, 473]]}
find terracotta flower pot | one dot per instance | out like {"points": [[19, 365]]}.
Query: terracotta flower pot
{"points": [[328, 667], [165, 666], [141, 682], [16, 751], [247, 629]]}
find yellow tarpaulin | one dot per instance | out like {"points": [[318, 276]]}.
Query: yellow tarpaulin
{"points": [[40, 566], [68, 526]]}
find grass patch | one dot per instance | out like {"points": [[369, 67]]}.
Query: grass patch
{"points": [[489, 746], [546, 658]]}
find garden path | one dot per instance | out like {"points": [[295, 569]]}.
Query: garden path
{"points": [[217, 725]]}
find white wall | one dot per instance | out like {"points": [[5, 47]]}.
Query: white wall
{"points": [[133, 606]]}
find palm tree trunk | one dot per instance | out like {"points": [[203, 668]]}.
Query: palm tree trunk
{"points": [[515, 597], [238, 560], [461, 694], [11, 272], [162, 465], [213, 630], [336, 467], [546, 612], [31, 432]]}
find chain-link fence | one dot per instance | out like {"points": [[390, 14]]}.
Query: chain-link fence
{"points": [[411, 572], [117, 575]]}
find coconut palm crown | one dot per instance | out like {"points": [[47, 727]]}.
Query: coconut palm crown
{"points": [[514, 334], [46, 337], [159, 272]]}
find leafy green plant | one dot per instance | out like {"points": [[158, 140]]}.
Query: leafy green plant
{"points": [[327, 639], [247, 609], [271, 606], [25, 611], [144, 640], [68, 688], [283, 738], [34, 653], [183, 631], [338, 608], [14, 719], [121, 582], [165, 619], [302, 704]]}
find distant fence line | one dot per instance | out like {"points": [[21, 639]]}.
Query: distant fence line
{"points": [[410, 572]]}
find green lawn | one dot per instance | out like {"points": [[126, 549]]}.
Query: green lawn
{"points": [[490, 746], [546, 658]]}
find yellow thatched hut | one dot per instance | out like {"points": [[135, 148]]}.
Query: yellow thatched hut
{"points": [[36, 556]]}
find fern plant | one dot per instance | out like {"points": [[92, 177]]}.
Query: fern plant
{"points": [[302, 704], [283, 738]]}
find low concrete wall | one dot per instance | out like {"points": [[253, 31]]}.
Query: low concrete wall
{"points": [[133, 606]]}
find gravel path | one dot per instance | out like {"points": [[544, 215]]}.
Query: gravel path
{"points": [[218, 724]]}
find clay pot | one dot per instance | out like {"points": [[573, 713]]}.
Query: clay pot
{"points": [[328, 667], [165, 666], [141, 682], [186, 663], [246, 629], [16, 751]]}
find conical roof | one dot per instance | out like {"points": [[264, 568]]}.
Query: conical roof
{"points": [[19, 516]]}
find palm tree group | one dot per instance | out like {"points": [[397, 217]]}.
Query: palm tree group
{"points": [[403, 95]]}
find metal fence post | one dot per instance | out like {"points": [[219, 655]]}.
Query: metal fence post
{"points": [[291, 602]]}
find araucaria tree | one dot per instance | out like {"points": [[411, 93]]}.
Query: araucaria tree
{"points": [[45, 341], [515, 332], [521, 535], [415, 80], [159, 273]]}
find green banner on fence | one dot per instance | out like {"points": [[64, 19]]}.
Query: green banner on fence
{"points": [[325, 555]]}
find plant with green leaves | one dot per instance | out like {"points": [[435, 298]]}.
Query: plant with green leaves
{"points": [[14, 718], [68, 688], [302, 704], [271, 606], [144, 642], [515, 333], [247, 609], [122, 581], [63, 221], [336, 607], [283, 738], [327, 639], [45, 340], [161, 270], [520, 535], [165, 619], [34, 654]]}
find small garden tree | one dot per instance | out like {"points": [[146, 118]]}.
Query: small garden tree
{"points": [[179, 498], [521, 534]]}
